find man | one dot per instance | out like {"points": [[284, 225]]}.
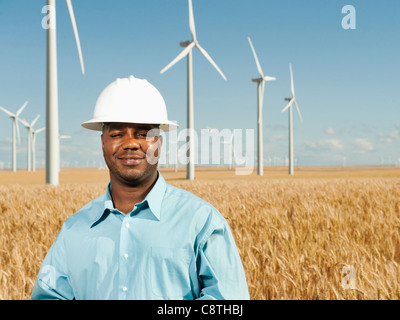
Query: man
{"points": [[142, 239]]}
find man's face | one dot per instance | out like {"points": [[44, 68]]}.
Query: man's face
{"points": [[131, 151]]}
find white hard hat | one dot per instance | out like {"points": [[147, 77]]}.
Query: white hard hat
{"points": [[130, 100]]}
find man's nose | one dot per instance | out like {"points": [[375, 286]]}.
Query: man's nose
{"points": [[130, 142]]}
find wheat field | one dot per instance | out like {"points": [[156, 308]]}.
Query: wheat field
{"points": [[321, 234]]}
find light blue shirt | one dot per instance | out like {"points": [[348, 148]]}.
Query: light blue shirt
{"points": [[173, 245]]}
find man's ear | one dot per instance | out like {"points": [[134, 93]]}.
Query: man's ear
{"points": [[102, 142]]}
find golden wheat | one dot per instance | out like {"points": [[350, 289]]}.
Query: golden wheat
{"points": [[295, 236]]}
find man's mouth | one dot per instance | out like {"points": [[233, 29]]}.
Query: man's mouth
{"points": [[130, 160]]}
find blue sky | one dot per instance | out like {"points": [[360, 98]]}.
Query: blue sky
{"points": [[346, 81]]}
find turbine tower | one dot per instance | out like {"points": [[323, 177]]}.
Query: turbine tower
{"points": [[15, 133], [188, 45], [34, 132], [260, 96], [59, 159], [29, 135], [52, 134], [289, 105]]}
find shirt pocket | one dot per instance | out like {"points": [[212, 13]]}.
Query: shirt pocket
{"points": [[170, 272]]}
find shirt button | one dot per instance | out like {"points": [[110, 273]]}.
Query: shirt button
{"points": [[127, 224], [124, 289], [126, 256]]}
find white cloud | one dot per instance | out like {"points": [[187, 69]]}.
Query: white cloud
{"points": [[395, 135], [383, 138], [330, 130], [276, 138], [333, 144], [363, 145], [329, 144]]}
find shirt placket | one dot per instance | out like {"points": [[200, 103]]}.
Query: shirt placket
{"points": [[125, 254], [124, 257]]}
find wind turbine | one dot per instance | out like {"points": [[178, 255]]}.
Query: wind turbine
{"points": [[52, 134], [260, 96], [34, 132], [289, 105], [59, 139], [15, 133], [188, 45], [30, 130]]}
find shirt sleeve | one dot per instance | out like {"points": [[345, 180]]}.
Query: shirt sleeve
{"points": [[52, 282], [220, 268]]}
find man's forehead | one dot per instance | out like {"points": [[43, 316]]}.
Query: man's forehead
{"points": [[124, 125]]}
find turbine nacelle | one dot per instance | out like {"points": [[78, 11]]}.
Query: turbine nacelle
{"points": [[185, 44], [267, 78]]}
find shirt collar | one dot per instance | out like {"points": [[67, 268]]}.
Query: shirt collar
{"points": [[156, 195], [153, 200]]}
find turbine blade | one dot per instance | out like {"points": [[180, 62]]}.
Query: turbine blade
{"points": [[34, 120], [204, 52], [255, 57], [291, 80], [183, 53], [288, 105], [20, 109], [298, 110], [268, 78], [78, 43], [7, 112], [25, 123], [191, 21], [40, 130]]}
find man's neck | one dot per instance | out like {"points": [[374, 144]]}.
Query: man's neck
{"points": [[125, 197]]}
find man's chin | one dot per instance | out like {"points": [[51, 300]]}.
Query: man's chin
{"points": [[133, 175]]}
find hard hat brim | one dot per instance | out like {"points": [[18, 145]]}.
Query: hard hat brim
{"points": [[97, 125]]}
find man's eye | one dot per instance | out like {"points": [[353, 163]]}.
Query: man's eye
{"points": [[142, 134], [113, 135]]}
